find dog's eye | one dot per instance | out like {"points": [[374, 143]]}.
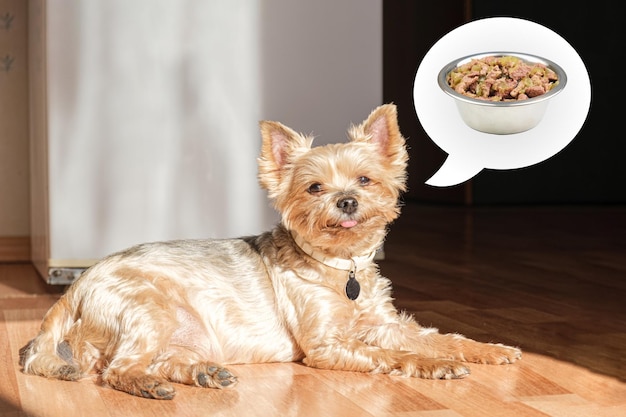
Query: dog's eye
{"points": [[315, 188], [364, 180]]}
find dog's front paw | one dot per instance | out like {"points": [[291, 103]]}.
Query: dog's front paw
{"points": [[492, 354], [158, 390], [213, 376], [432, 368], [146, 386]]}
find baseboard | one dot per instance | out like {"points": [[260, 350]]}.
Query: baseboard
{"points": [[15, 249]]}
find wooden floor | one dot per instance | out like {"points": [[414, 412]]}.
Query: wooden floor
{"points": [[551, 280]]}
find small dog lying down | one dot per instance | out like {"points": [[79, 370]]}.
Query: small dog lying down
{"points": [[307, 291]]}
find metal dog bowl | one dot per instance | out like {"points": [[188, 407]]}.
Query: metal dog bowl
{"points": [[501, 117]]}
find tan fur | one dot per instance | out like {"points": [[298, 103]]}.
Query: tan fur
{"points": [[179, 311]]}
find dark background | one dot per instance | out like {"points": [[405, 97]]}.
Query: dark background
{"points": [[590, 170]]}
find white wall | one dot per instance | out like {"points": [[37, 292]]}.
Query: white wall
{"points": [[321, 64], [154, 107]]}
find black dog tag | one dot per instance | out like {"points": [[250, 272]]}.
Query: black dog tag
{"points": [[353, 288]]}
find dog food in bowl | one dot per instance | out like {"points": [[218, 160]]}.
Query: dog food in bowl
{"points": [[502, 78]]}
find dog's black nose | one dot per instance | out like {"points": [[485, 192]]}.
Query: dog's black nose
{"points": [[348, 205]]}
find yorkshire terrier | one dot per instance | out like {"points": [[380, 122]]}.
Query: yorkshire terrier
{"points": [[309, 290]]}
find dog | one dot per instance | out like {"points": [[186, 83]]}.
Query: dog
{"points": [[309, 290]]}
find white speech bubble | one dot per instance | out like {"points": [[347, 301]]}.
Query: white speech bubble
{"points": [[470, 151]]}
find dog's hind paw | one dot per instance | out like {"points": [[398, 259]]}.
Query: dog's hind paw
{"points": [[68, 373], [214, 376]]}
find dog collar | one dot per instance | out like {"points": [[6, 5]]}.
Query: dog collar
{"points": [[351, 265]]}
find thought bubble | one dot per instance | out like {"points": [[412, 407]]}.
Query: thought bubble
{"points": [[470, 151]]}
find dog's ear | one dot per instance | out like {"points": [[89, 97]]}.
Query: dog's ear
{"points": [[381, 129], [281, 146]]}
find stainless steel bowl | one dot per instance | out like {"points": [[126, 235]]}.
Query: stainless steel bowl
{"points": [[502, 117]]}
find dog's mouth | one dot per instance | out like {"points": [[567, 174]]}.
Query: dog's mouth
{"points": [[348, 223], [342, 224]]}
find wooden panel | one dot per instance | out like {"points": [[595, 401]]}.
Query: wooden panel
{"points": [[14, 218], [14, 249], [410, 28], [591, 168], [40, 228]]}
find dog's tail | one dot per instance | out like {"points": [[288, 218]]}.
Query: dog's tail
{"points": [[49, 354]]}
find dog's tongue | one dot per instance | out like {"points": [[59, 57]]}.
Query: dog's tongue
{"points": [[348, 223]]}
